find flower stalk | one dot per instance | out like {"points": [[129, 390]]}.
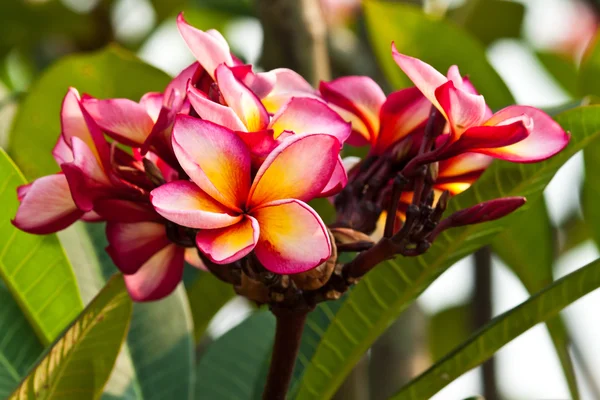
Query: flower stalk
{"points": [[288, 333]]}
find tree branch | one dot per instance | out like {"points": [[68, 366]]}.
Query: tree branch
{"points": [[290, 324], [295, 37]]}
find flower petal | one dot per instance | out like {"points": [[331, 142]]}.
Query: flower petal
{"points": [[426, 78], [487, 138], [153, 104], [193, 258], [546, 137], [358, 94], [402, 113], [46, 206], [179, 84], [304, 115], [62, 152], [287, 84], [462, 109], [85, 176], [229, 244], [158, 277], [293, 238], [76, 122], [124, 120], [457, 174], [338, 180], [132, 244], [215, 158], [214, 112], [300, 168], [209, 48], [246, 104], [186, 204]]}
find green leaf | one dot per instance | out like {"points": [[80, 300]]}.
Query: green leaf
{"points": [[112, 72], [34, 268], [490, 20], [527, 247], [562, 69], [19, 346], [590, 69], [78, 364], [160, 338], [591, 190], [502, 329], [206, 296], [448, 328], [386, 291], [437, 42], [230, 366]]}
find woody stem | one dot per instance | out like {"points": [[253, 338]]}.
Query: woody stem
{"points": [[288, 332]]}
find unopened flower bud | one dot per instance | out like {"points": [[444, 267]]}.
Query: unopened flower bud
{"points": [[486, 211]]}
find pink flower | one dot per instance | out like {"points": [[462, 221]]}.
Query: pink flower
{"points": [[237, 214], [376, 120], [515, 133]]}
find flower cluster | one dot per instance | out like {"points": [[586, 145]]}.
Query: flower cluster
{"points": [[218, 169]]}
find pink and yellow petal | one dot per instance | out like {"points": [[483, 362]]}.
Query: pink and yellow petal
{"points": [[242, 100], [186, 204], [304, 115], [46, 206], [293, 238], [546, 137], [299, 168], [462, 109], [358, 94], [229, 244], [338, 180], [426, 78], [403, 112], [215, 158], [214, 112], [209, 48], [125, 120]]}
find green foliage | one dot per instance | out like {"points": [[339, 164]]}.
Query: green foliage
{"points": [[527, 246], [160, 339], [502, 329], [433, 41], [19, 346], [112, 72], [389, 289], [591, 190], [490, 20], [231, 365], [207, 295], [448, 328], [34, 268], [562, 69], [80, 361]]}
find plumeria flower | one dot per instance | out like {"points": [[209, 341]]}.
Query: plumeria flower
{"points": [[237, 213], [54, 202], [147, 124], [377, 120], [245, 114], [274, 88], [515, 133]]}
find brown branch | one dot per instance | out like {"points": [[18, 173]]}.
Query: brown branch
{"points": [[482, 314], [290, 324], [295, 36]]}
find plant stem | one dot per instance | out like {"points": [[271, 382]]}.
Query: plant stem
{"points": [[288, 332], [482, 314]]}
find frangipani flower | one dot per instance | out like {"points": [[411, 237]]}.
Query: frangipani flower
{"points": [[515, 133], [147, 124], [274, 88], [377, 120], [245, 114], [237, 214]]}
